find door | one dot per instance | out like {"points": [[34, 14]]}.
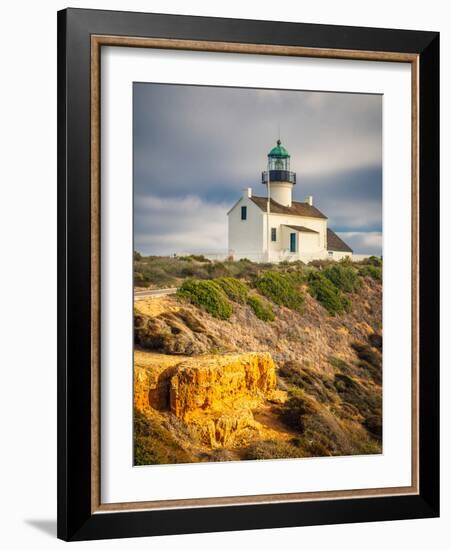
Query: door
{"points": [[292, 242]]}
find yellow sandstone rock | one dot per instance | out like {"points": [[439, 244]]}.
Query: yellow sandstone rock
{"points": [[152, 373], [208, 383], [213, 395]]}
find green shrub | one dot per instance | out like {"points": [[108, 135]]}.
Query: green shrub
{"points": [[157, 276], [185, 258], [262, 311], [195, 257], [327, 294], [320, 264], [200, 258], [138, 277], [343, 277], [346, 260], [375, 260], [207, 295], [372, 271], [236, 290], [281, 289], [217, 269]]}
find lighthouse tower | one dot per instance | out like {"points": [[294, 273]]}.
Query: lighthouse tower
{"points": [[278, 178]]}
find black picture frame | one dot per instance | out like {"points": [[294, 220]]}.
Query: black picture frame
{"points": [[76, 521]]}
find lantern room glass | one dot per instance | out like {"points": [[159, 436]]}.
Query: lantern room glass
{"points": [[278, 163]]}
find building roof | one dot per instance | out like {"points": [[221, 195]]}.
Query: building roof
{"points": [[301, 228], [279, 151], [296, 208], [335, 244]]}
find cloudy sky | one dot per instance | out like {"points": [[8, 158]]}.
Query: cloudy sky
{"points": [[196, 148]]}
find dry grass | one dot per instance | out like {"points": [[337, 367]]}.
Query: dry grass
{"points": [[152, 307]]}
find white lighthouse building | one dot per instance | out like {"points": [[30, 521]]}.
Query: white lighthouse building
{"points": [[274, 227]]}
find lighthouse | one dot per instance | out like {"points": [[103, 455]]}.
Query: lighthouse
{"points": [[276, 228], [278, 178]]}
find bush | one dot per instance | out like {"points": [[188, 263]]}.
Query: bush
{"points": [[370, 360], [191, 271], [361, 396], [280, 288], [157, 276], [366, 353], [373, 424], [306, 378], [343, 277], [327, 294], [138, 277], [153, 444], [271, 449], [208, 295], [185, 258], [294, 410], [195, 257], [321, 264], [235, 289], [372, 271], [375, 260], [375, 340], [262, 311]]}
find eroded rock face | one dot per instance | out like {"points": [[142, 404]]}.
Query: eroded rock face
{"points": [[210, 383], [176, 333], [213, 395], [223, 429], [152, 375]]}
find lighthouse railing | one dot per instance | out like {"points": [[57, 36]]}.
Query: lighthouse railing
{"points": [[278, 175]]}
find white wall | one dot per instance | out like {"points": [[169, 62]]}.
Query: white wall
{"points": [[28, 277], [308, 246], [246, 238], [316, 244]]}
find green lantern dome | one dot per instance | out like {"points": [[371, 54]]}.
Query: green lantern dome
{"points": [[279, 152], [278, 169]]}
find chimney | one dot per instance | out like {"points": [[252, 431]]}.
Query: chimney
{"points": [[309, 200], [247, 193]]}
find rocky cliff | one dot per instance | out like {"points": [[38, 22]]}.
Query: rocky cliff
{"points": [[307, 384]]}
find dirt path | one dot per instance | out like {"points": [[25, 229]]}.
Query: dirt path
{"points": [[268, 416]]}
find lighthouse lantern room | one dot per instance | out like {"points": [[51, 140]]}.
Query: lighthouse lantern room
{"points": [[278, 177]]}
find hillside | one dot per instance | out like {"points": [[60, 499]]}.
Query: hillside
{"points": [[252, 361]]}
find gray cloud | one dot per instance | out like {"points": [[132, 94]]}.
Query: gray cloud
{"points": [[364, 242], [169, 226], [207, 144]]}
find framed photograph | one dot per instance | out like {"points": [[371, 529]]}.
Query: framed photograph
{"points": [[248, 274]]}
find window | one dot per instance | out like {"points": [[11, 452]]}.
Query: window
{"points": [[273, 234], [292, 242], [244, 212]]}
